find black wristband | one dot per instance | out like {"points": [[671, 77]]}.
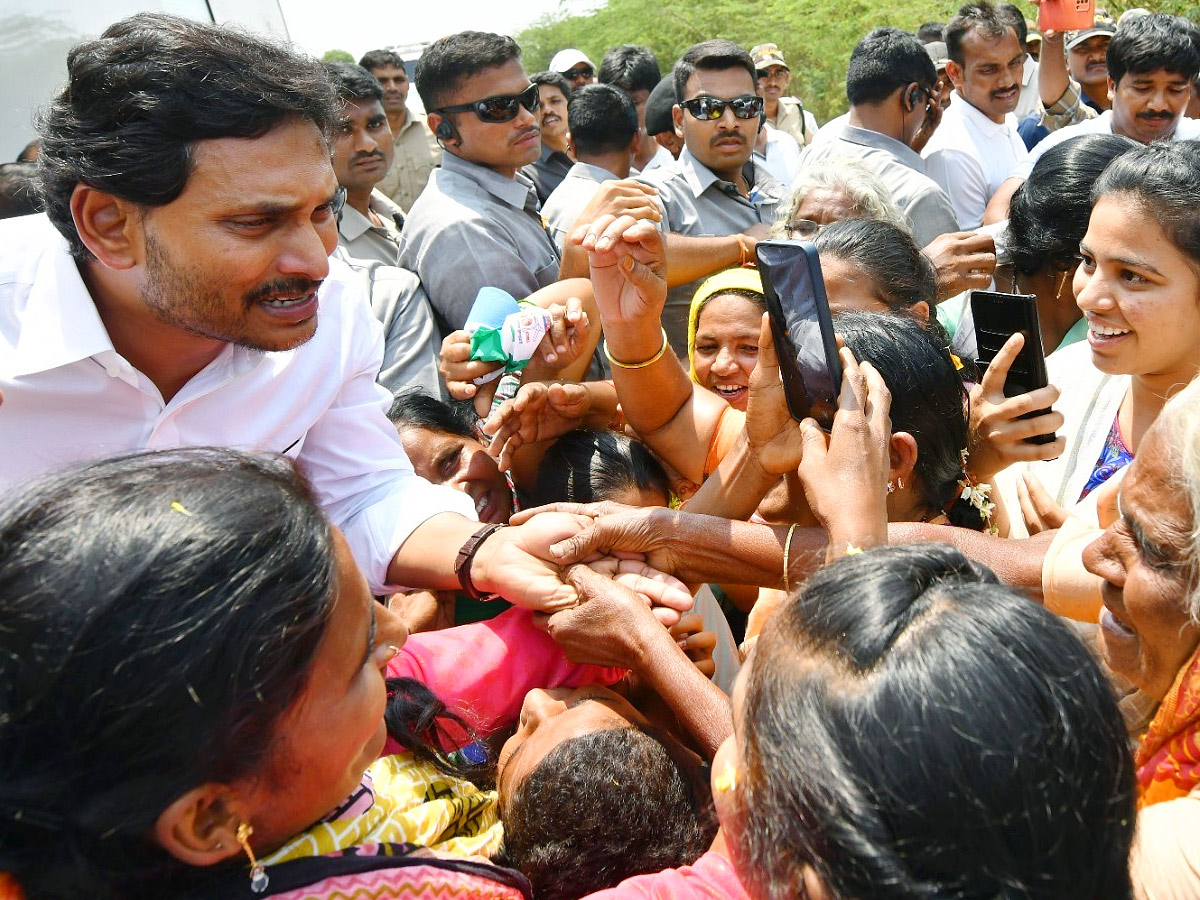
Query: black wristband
{"points": [[466, 554]]}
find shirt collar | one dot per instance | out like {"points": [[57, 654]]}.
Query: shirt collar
{"points": [[591, 172], [698, 176], [978, 119], [61, 323], [353, 224], [513, 191], [879, 141]]}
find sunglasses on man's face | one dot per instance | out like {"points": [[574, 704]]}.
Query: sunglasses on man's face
{"points": [[501, 108], [708, 109], [581, 72]]}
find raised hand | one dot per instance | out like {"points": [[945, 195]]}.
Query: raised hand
{"points": [[538, 412], [962, 261], [774, 437], [628, 268], [997, 431], [845, 474], [459, 371]]}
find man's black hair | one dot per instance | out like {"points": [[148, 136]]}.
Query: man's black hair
{"points": [[716, 55], [447, 61], [139, 98], [19, 190], [601, 119], [1157, 41], [630, 67], [377, 59], [1013, 15], [554, 79], [354, 84], [982, 17], [885, 60], [930, 32]]}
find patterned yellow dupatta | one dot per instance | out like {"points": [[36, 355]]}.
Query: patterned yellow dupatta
{"points": [[1168, 756]]}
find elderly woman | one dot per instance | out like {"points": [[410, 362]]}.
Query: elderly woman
{"points": [[1149, 558]]}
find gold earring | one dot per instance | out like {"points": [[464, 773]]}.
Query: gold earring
{"points": [[1062, 282], [727, 780], [258, 873]]}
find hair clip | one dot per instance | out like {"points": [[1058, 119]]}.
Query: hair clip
{"points": [[180, 508]]}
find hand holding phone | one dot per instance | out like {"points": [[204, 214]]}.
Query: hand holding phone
{"points": [[802, 327]]}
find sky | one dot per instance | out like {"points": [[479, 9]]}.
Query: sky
{"points": [[360, 25]]}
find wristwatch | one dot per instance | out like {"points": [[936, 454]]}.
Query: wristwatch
{"points": [[466, 554]]}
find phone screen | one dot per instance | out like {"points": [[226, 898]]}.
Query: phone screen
{"points": [[803, 330], [997, 317]]}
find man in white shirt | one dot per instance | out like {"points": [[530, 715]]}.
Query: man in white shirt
{"points": [[976, 146], [175, 301]]}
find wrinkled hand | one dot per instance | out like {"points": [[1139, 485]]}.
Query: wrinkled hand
{"points": [[538, 412], [623, 197], [996, 432], [612, 625], [773, 436], [628, 267], [459, 371], [1038, 508], [697, 643], [516, 563], [962, 260], [845, 474], [667, 596], [616, 530]]}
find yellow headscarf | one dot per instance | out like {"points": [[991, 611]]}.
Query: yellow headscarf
{"points": [[722, 282]]}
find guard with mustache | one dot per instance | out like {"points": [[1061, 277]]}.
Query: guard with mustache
{"points": [[370, 223], [556, 160], [717, 201], [478, 221], [977, 146]]}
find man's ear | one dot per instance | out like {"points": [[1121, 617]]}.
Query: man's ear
{"points": [[677, 118], [902, 456], [954, 72], [814, 887], [111, 228], [920, 309], [1112, 89], [199, 828]]}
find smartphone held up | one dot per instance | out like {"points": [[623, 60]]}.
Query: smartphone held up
{"points": [[802, 327]]}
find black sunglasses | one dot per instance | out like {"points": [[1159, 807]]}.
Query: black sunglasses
{"points": [[501, 108], [710, 108], [582, 72]]}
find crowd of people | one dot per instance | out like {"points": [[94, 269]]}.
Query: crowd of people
{"points": [[307, 590]]}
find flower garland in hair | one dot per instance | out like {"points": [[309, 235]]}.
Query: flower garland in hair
{"points": [[978, 496]]}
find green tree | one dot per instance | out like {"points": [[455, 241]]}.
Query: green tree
{"points": [[816, 36], [336, 56]]}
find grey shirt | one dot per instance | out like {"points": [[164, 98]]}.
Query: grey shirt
{"points": [[570, 198], [698, 203], [363, 239], [410, 338], [902, 171], [473, 227], [548, 172]]}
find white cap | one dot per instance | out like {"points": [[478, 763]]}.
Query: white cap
{"points": [[565, 60]]}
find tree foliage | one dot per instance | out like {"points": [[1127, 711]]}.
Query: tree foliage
{"points": [[816, 36], [336, 55]]}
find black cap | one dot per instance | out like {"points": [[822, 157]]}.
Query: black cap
{"points": [[658, 107]]}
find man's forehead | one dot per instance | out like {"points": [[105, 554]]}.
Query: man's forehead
{"points": [[507, 78], [718, 82], [1164, 75], [1095, 42], [361, 109], [978, 45], [289, 160], [389, 71]]}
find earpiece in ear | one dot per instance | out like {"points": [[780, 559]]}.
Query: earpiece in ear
{"points": [[911, 96], [446, 131]]}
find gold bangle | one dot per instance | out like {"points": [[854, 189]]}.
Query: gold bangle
{"points": [[640, 365], [787, 549]]}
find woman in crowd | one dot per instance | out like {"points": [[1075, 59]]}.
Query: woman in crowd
{"points": [[211, 702], [1038, 247], [1138, 286]]}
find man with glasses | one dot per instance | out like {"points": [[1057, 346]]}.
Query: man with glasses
{"points": [[716, 201], [477, 221], [574, 66], [890, 84]]}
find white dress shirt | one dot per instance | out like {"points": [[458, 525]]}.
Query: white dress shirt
{"points": [[970, 155], [69, 397]]}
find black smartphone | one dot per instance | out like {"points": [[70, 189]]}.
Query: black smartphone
{"points": [[802, 327], [998, 316]]}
